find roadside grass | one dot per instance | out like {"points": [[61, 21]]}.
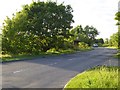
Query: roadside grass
{"points": [[7, 58], [52, 52], [97, 77], [112, 47], [117, 55], [10, 57]]}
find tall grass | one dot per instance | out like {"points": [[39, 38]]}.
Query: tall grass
{"points": [[99, 77]]}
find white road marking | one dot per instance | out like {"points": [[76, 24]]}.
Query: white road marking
{"points": [[70, 59], [18, 71], [53, 63]]}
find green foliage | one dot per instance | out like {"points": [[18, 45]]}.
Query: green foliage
{"points": [[117, 17], [0, 43], [83, 45], [100, 40], [114, 40], [52, 50], [106, 41], [99, 77], [86, 35], [105, 45], [118, 55], [38, 27]]}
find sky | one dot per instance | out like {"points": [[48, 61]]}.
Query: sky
{"points": [[98, 13]]}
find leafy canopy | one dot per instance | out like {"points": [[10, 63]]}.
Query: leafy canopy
{"points": [[86, 34], [37, 27]]}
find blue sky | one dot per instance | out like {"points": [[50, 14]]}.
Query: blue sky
{"points": [[98, 13]]}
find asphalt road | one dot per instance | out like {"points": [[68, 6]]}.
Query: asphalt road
{"points": [[53, 71]]}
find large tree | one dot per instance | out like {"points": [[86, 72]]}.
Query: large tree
{"points": [[86, 34], [37, 27], [117, 17]]}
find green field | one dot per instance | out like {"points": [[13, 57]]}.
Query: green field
{"points": [[99, 77]]}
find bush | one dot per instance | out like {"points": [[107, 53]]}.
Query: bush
{"points": [[68, 45], [100, 44], [83, 45], [105, 45], [52, 50]]}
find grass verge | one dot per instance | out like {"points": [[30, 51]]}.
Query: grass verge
{"points": [[117, 55], [8, 57], [98, 77]]}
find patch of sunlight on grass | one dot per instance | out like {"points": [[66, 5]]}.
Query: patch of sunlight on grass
{"points": [[6, 55]]}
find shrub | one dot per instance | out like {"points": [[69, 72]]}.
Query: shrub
{"points": [[105, 45], [52, 50], [83, 45]]}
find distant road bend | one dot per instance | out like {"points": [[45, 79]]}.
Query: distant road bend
{"points": [[53, 71]]}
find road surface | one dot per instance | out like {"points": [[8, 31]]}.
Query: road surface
{"points": [[53, 71]]}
